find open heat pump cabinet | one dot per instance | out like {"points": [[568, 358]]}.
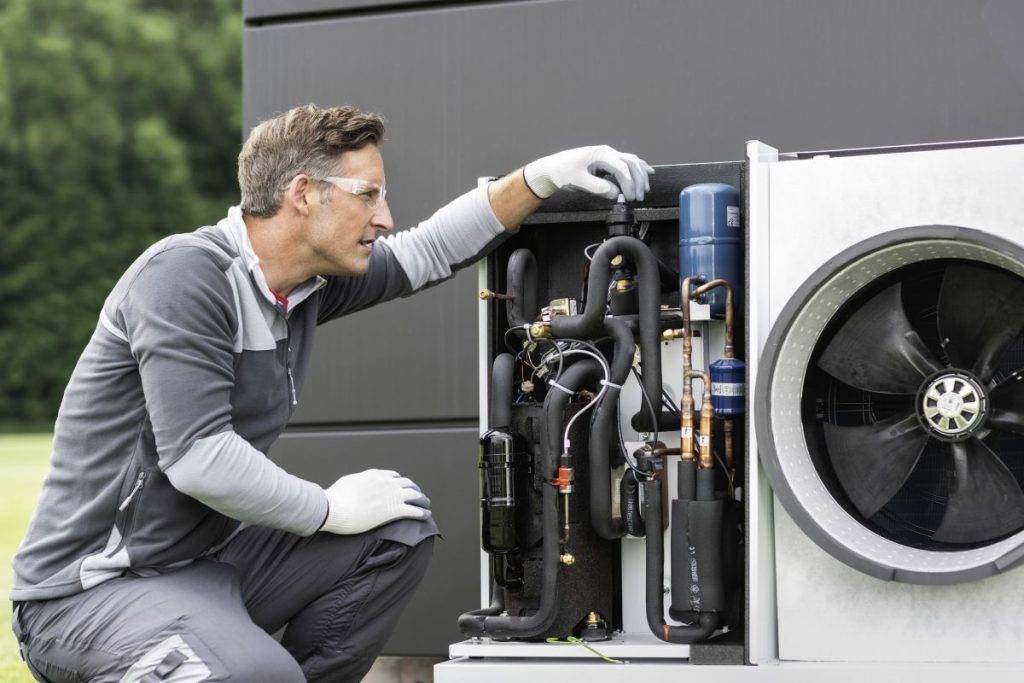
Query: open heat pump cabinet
{"points": [[768, 422]]}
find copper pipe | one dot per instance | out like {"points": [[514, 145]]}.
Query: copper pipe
{"points": [[684, 305], [686, 401], [704, 289], [707, 413], [686, 423], [730, 460], [665, 452]]}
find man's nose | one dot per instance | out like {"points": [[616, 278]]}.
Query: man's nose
{"points": [[381, 219]]}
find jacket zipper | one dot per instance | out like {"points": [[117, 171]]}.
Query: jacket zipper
{"points": [[288, 355], [139, 481], [128, 526]]}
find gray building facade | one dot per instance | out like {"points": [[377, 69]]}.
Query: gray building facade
{"points": [[480, 88]]}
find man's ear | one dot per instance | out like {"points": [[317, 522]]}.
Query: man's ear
{"points": [[296, 196]]}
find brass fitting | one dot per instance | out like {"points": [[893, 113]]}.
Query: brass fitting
{"points": [[567, 559], [540, 330], [617, 260], [669, 335], [594, 618], [623, 285], [487, 295]]}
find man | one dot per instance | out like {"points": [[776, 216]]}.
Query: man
{"points": [[165, 545]]}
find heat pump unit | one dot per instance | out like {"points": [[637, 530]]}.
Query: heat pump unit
{"points": [[889, 407], [768, 423]]}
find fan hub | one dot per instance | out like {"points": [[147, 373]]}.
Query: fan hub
{"points": [[952, 404]]}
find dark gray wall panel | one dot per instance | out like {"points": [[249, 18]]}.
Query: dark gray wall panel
{"points": [[443, 463], [407, 360], [481, 89]]}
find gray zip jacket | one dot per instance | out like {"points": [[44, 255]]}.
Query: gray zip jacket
{"points": [[191, 374]]}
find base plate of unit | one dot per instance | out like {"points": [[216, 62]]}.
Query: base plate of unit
{"points": [[621, 646]]}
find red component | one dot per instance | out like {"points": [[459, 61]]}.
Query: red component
{"points": [[564, 480]]}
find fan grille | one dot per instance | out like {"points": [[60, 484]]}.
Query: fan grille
{"points": [[914, 514]]}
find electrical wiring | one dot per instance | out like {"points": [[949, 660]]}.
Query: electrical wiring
{"points": [[600, 394], [572, 640], [666, 400], [728, 474], [647, 401], [622, 446]]}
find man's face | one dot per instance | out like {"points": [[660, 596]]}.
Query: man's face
{"points": [[342, 230]]}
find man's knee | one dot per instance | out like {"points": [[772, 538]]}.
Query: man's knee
{"points": [[268, 663], [418, 558], [241, 656]]}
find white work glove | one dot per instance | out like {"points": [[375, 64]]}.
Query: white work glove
{"points": [[577, 168], [365, 500]]}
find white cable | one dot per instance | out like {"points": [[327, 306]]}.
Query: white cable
{"points": [[593, 401], [556, 385], [613, 385]]}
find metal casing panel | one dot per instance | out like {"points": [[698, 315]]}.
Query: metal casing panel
{"points": [[817, 208], [443, 462]]}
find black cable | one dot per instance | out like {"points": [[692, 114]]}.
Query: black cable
{"points": [[665, 398], [647, 400]]}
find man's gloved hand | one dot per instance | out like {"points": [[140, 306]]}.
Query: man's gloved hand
{"points": [[577, 168], [360, 502]]}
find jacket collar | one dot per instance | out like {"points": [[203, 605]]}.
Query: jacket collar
{"points": [[234, 227]]}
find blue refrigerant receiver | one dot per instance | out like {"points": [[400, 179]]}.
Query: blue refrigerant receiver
{"points": [[727, 386], [711, 239]]}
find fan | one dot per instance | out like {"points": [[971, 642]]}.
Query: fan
{"points": [[980, 311]]}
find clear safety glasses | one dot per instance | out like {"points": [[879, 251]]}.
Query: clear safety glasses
{"points": [[372, 194]]}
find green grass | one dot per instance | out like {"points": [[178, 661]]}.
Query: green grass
{"points": [[23, 463]]}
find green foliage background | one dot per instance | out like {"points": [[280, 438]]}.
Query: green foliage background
{"points": [[120, 122]]}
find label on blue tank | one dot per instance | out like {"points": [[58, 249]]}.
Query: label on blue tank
{"points": [[732, 216], [727, 389]]}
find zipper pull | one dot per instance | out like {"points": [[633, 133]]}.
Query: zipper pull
{"points": [[135, 489], [291, 385]]}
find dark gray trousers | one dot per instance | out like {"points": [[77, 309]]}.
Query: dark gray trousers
{"points": [[339, 598]]}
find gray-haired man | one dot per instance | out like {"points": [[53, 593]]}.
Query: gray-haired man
{"points": [[165, 545]]}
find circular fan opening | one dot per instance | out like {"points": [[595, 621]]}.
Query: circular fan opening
{"points": [[897, 405], [889, 405]]}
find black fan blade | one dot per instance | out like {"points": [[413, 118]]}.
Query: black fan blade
{"points": [[1006, 410], [980, 311], [985, 500], [873, 461], [877, 349]]}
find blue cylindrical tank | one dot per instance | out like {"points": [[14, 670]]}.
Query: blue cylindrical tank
{"points": [[711, 239], [727, 386]]}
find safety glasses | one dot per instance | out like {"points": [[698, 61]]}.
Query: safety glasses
{"points": [[372, 194]]}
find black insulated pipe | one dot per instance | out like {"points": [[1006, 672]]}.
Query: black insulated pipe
{"points": [[471, 622], [575, 377], [602, 430], [499, 409], [521, 283], [706, 622], [590, 323]]}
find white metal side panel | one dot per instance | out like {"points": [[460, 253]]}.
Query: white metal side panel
{"points": [[761, 633], [817, 208]]}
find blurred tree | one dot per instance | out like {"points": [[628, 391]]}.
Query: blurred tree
{"points": [[120, 122]]}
